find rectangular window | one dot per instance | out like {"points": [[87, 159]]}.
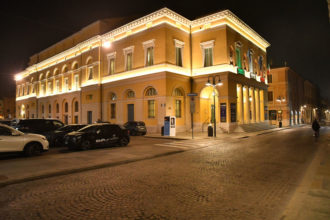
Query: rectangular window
{"points": [[270, 96], [128, 61], [178, 108], [178, 56], [76, 82], [33, 88], [89, 117], [151, 108], [270, 78], [43, 89], [272, 115], [111, 66], [89, 97], [150, 56], [113, 110], [57, 86], [90, 73], [28, 90], [66, 84], [50, 89], [208, 57], [238, 58], [76, 119]]}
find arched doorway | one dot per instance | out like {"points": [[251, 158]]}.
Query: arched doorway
{"points": [[209, 106]]}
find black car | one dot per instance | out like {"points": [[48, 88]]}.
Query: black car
{"points": [[61, 132], [97, 135], [5, 122], [136, 127], [45, 127]]}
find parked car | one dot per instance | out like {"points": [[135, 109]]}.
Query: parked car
{"points": [[61, 132], [97, 135], [136, 127], [45, 127], [6, 122], [12, 140]]}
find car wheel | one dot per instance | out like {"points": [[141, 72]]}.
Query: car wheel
{"points": [[123, 142], [85, 145], [32, 149]]}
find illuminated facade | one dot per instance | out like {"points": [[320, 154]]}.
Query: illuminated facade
{"points": [[144, 71], [291, 99]]}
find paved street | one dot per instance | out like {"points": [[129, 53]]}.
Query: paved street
{"points": [[247, 178]]}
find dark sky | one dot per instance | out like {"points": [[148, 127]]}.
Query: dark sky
{"points": [[298, 31]]}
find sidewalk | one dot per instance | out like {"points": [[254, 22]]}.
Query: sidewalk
{"points": [[220, 135], [312, 197]]}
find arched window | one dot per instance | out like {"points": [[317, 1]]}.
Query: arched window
{"points": [[130, 94], [151, 92], [178, 92], [57, 108], [42, 109], [66, 107], [75, 66], [65, 69], [49, 108], [76, 106]]}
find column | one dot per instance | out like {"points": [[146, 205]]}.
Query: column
{"points": [[262, 105], [240, 112], [253, 105], [246, 105], [257, 104]]}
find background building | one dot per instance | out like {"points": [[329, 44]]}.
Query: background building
{"points": [[7, 107], [144, 70], [291, 99]]}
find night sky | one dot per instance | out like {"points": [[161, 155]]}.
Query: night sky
{"points": [[298, 31]]}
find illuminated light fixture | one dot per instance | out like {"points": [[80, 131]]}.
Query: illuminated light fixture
{"points": [[208, 83], [18, 77], [149, 25], [219, 83], [107, 44], [250, 99]]}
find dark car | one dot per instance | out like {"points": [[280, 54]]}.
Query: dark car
{"points": [[61, 132], [45, 127], [5, 122], [136, 127], [97, 135]]}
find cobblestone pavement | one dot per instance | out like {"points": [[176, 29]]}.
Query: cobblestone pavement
{"points": [[250, 178]]}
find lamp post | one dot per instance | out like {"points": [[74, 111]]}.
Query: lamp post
{"points": [[214, 84], [280, 99]]}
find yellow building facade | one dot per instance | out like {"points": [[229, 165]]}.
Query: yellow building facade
{"points": [[144, 71], [291, 99]]}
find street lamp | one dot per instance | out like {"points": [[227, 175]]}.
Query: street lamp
{"points": [[280, 99], [214, 84]]}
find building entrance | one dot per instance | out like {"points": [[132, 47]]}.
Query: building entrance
{"points": [[130, 112]]}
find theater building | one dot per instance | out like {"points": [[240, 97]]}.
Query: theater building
{"points": [[145, 69]]}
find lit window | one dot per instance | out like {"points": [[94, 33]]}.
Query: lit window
{"points": [[57, 86], [130, 94], [178, 52], [250, 59], [111, 63], [151, 92], [50, 88], [151, 108], [90, 73], [76, 82], [207, 48], [66, 84], [128, 53], [149, 52]]}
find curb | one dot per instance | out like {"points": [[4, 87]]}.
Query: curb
{"points": [[78, 170]]}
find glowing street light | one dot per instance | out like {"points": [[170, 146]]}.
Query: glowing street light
{"points": [[18, 77], [107, 44], [213, 84]]}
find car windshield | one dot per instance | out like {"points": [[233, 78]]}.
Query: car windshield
{"points": [[88, 128], [140, 123], [66, 128]]}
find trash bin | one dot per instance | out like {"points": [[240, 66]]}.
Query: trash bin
{"points": [[280, 124], [162, 131], [210, 131]]}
